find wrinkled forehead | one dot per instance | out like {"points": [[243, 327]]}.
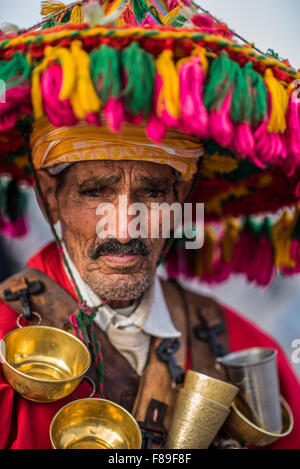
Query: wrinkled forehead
{"points": [[112, 172]]}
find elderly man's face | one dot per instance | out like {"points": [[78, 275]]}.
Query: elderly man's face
{"points": [[122, 268]]}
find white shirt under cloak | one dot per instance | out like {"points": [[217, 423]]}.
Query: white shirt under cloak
{"points": [[130, 329]]}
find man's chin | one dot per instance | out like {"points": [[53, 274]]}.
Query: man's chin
{"points": [[120, 286]]}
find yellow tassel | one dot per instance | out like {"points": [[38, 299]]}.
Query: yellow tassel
{"points": [[36, 94], [205, 255], [62, 55], [76, 15], [84, 98], [201, 53], [281, 236], [280, 100], [171, 15], [231, 235], [50, 7], [68, 69], [215, 204], [170, 92], [217, 164]]}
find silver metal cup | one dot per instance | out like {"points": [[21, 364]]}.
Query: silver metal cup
{"points": [[255, 373]]}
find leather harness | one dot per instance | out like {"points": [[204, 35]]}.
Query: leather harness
{"points": [[151, 397]]}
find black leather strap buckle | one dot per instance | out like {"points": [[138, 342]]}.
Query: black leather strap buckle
{"points": [[210, 335], [153, 430], [166, 353], [22, 292]]}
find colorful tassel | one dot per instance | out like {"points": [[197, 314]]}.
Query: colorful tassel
{"points": [[281, 237], [84, 98], [279, 95], [139, 69], [77, 16], [105, 68], [50, 7], [168, 105], [140, 9], [194, 117]]}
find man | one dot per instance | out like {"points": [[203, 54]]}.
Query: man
{"points": [[145, 327]]}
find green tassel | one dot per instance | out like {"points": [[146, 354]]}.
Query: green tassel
{"points": [[220, 80], [259, 106], [49, 24], [140, 74], [106, 72], [4, 184], [16, 201], [296, 231], [14, 71], [266, 228], [140, 9], [240, 109]]}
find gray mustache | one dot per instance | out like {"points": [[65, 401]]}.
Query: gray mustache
{"points": [[114, 246]]}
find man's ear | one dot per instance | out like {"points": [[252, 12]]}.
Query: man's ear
{"points": [[48, 186], [182, 189]]}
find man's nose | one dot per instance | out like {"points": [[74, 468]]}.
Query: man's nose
{"points": [[123, 219]]}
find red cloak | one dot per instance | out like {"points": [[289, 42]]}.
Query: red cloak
{"points": [[25, 424]]}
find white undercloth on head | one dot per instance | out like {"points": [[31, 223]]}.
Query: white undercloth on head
{"points": [[130, 329]]}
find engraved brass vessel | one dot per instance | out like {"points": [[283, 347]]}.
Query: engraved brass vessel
{"points": [[42, 363], [219, 391], [196, 421], [241, 427], [94, 424]]}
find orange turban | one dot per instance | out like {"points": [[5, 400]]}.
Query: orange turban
{"points": [[84, 142]]}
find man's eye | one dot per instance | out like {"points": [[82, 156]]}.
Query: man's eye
{"points": [[155, 194], [92, 192]]}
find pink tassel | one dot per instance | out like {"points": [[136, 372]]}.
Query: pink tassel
{"points": [[221, 128], [204, 22], [156, 128], [221, 271], [194, 116], [148, 20], [129, 17], [15, 229], [172, 4], [93, 119], [59, 112], [243, 140], [262, 269], [114, 114], [14, 97], [8, 121], [293, 132]]}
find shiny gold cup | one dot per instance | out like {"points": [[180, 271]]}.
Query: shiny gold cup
{"points": [[240, 425], [212, 388], [94, 424], [196, 421], [42, 363]]}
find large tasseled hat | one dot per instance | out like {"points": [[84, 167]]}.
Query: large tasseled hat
{"points": [[174, 75]]}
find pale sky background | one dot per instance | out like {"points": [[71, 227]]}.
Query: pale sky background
{"points": [[269, 24]]}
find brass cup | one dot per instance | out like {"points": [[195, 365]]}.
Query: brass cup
{"points": [[240, 426], [94, 424], [196, 421], [43, 364], [219, 391]]}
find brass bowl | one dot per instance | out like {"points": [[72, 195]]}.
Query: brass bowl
{"points": [[42, 363], [219, 391], [94, 424], [240, 427]]}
